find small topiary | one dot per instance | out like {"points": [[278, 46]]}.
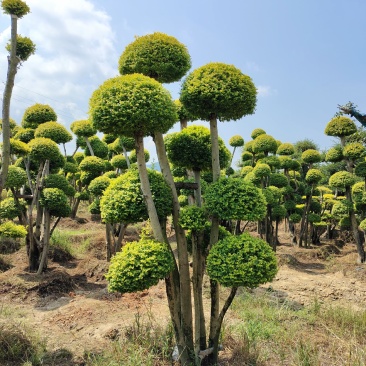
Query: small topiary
{"points": [[19, 148], [353, 150], [92, 164], [278, 180], [139, 266], [340, 126], [83, 128], [56, 201], [43, 149], [11, 230], [313, 176], [334, 155], [236, 141], [241, 261], [25, 47], [264, 143], [235, 199], [262, 170], [24, 134], [16, 178], [119, 161], [59, 181], [38, 114], [15, 7], [54, 131], [286, 148], [100, 148], [9, 209], [295, 218], [98, 185], [256, 132], [341, 180], [311, 156], [193, 218]]}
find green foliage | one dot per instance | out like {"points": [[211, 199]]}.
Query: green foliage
{"points": [[11, 230], [245, 170], [132, 104], [264, 143], [360, 169], [278, 180], [119, 161], [133, 157], [363, 225], [55, 200], [313, 176], [256, 132], [18, 147], [54, 131], [286, 148], [139, 266], [24, 134], [279, 212], [241, 261], [122, 142], [313, 217], [334, 154], [99, 147], [15, 7], [354, 150], [83, 195], [191, 148], [92, 164], [59, 181], [83, 128], [157, 55], [220, 90], [16, 178], [70, 168], [94, 207], [342, 208], [9, 208], [235, 199], [272, 161], [246, 156], [38, 114], [295, 218], [183, 114], [311, 156], [306, 144], [98, 185], [341, 180], [236, 141], [43, 149], [25, 47], [340, 126], [193, 218], [262, 170], [123, 201]]}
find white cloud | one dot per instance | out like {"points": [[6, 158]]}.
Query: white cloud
{"points": [[75, 54], [265, 91]]}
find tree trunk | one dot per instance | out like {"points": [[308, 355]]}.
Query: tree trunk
{"points": [[45, 241], [13, 62], [184, 275]]}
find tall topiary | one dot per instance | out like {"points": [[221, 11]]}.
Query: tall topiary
{"points": [[38, 114]]}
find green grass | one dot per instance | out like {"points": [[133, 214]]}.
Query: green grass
{"points": [[74, 242], [270, 331]]}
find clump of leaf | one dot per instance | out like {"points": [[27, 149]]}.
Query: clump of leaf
{"points": [[193, 218], [340, 126], [15, 7], [235, 199], [241, 260], [139, 266], [25, 47], [11, 230], [156, 55], [56, 201], [38, 114], [54, 131], [16, 178]]}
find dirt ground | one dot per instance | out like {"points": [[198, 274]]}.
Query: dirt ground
{"points": [[71, 307]]}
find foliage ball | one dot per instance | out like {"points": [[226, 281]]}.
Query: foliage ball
{"points": [[236, 141], [24, 134], [256, 132], [156, 55], [340, 126], [311, 156], [313, 176], [334, 155], [83, 128], [286, 148], [219, 90], [38, 114], [264, 143], [342, 180], [132, 105], [139, 266], [98, 185], [25, 47], [54, 131], [353, 150], [241, 260]]}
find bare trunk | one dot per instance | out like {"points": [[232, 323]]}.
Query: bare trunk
{"points": [[184, 276], [13, 62], [45, 241], [89, 146]]}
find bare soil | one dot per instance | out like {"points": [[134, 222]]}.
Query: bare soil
{"points": [[70, 306]]}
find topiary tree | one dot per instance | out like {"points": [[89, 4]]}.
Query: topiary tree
{"points": [[139, 266], [37, 114], [20, 48], [83, 129], [54, 131], [156, 55], [240, 261], [211, 92], [344, 181], [265, 144], [235, 141]]}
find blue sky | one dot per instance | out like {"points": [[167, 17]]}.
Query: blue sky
{"points": [[305, 57]]}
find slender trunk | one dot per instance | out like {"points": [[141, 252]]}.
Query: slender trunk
{"points": [[13, 62], [214, 237], [121, 235], [108, 234], [126, 157], [89, 146], [184, 275], [146, 190]]}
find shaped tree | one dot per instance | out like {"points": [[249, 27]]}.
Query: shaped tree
{"points": [[20, 48]]}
